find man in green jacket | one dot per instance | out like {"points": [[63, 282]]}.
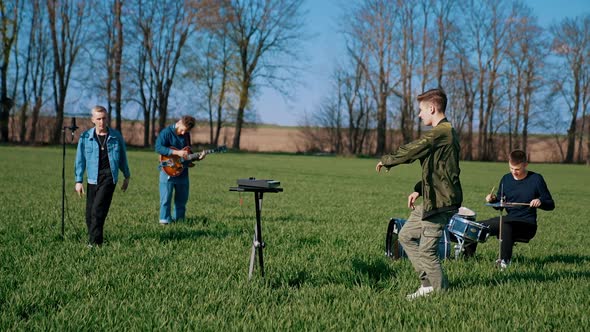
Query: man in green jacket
{"points": [[438, 151]]}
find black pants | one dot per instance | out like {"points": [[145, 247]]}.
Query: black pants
{"points": [[511, 230], [98, 202]]}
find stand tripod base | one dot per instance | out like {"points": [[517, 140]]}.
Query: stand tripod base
{"points": [[256, 245]]}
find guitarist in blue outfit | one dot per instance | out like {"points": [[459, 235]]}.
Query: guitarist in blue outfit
{"points": [[174, 141]]}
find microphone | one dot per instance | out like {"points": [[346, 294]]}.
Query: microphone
{"points": [[73, 126]]}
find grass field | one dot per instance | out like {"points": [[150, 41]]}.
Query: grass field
{"points": [[324, 255]]}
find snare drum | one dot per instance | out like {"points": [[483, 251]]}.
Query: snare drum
{"points": [[468, 230], [466, 213]]}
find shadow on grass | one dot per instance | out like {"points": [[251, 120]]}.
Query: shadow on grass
{"points": [[185, 230], [529, 269], [294, 279], [561, 258], [376, 272], [188, 234], [290, 217], [196, 221], [298, 280]]}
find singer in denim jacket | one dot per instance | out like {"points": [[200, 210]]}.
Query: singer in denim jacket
{"points": [[101, 154]]}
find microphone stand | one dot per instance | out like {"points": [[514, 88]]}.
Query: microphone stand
{"points": [[72, 128]]}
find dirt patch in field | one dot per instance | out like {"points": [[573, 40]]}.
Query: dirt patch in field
{"points": [[263, 139], [291, 139]]}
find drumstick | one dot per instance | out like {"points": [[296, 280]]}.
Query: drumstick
{"points": [[492, 191], [521, 204]]}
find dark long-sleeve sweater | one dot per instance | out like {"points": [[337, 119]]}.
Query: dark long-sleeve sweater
{"points": [[523, 191]]}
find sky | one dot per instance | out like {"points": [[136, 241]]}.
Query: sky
{"points": [[325, 47]]}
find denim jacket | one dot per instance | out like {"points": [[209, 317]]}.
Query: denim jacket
{"points": [[167, 139], [87, 156]]}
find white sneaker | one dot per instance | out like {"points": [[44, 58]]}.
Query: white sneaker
{"points": [[164, 222], [502, 264], [422, 291]]}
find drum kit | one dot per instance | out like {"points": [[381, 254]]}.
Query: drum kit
{"points": [[462, 227]]}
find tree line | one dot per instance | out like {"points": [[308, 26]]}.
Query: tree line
{"points": [[503, 72], [210, 56]]}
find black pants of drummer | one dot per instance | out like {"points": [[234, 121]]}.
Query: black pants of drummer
{"points": [[511, 231], [98, 202]]}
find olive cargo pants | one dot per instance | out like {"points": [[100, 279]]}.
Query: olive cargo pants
{"points": [[420, 241]]}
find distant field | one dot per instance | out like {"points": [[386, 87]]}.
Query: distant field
{"points": [[324, 259], [543, 148]]}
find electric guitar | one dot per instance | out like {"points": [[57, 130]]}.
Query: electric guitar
{"points": [[174, 165]]}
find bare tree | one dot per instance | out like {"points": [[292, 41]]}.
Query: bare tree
{"points": [[426, 54], [444, 28], [355, 93], [445, 25], [372, 26], [8, 34], [36, 61], [141, 79], [486, 28], [585, 102], [329, 118], [527, 56], [164, 27], [146, 95], [263, 34], [118, 59], [465, 75], [406, 56], [109, 40], [214, 72], [66, 25], [571, 43]]}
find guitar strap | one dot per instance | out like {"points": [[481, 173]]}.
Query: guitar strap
{"points": [[187, 140]]}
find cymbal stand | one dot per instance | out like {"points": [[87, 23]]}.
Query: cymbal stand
{"points": [[499, 262]]}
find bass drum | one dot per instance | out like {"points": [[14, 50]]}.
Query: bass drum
{"points": [[394, 250]]}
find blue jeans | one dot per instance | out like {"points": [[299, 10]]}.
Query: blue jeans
{"points": [[180, 198]]}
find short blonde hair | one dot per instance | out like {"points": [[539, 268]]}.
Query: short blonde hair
{"points": [[98, 109], [436, 97]]}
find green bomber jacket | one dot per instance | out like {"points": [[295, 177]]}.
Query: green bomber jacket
{"points": [[438, 151]]}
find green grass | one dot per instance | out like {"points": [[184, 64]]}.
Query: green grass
{"points": [[324, 259]]}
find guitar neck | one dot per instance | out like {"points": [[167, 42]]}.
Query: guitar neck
{"points": [[194, 156]]}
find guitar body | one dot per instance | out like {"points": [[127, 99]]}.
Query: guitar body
{"points": [[175, 165]]}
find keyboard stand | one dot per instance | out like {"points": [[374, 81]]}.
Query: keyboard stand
{"points": [[257, 242]]}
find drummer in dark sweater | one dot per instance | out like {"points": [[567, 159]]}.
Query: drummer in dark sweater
{"points": [[518, 186]]}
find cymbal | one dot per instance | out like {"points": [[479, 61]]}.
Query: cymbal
{"points": [[507, 204]]}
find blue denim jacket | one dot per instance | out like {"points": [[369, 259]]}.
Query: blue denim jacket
{"points": [[87, 156], [166, 139]]}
